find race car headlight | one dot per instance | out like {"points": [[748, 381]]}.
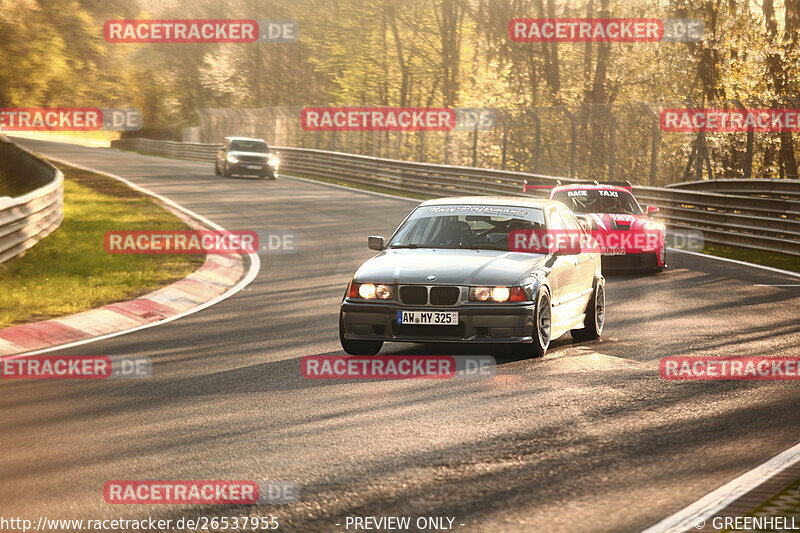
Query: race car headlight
{"points": [[653, 225], [273, 161], [497, 294], [232, 159], [370, 291], [480, 293], [500, 294], [384, 292]]}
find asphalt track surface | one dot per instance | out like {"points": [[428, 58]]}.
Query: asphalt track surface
{"points": [[588, 438]]}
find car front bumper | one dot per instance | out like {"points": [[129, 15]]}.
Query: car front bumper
{"points": [[490, 323], [632, 261], [241, 169]]}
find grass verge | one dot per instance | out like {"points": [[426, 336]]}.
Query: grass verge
{"points": [[772, 259], [69, 271]]}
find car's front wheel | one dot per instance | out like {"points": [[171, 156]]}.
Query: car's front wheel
{"points": [[595, 316], [542, 327], [354, 347], [216, 168], [226, 171]]}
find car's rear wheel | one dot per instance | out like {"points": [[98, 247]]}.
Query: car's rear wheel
{"points": [[595, 316], [354, 347], [542, 326]]}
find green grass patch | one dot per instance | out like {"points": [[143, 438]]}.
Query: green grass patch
{"points": [[69, 271], [784, 503], [772, 259]]}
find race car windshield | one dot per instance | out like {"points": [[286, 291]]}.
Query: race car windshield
{"points": [[465, 227], [599, 201], [249, 146]]}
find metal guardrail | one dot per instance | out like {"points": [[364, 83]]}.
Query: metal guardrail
{"points": [[26, 219], [789, 189], [751, 218]]}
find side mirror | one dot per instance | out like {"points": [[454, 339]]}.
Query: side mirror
{"points": [[376, 242], [585, 222], [568, 245], [651, 210]]}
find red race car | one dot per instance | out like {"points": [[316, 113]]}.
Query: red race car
{"points": [[628, 237]]}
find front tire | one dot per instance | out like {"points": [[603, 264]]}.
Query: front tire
{"points": [[216, 168], [357, 347], [595, 316], [542, 324], [226, 171]]}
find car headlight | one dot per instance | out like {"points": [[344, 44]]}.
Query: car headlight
{"points": [[653, 225], [370, 291], [232, 159], [274, 161], [497, 294]]}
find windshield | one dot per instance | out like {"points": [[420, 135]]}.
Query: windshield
{"points": [[248, 146], [469, 227], [598, 201]]}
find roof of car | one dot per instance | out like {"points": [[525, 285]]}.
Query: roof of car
{"points": [[243, 139], [514, 201], [590, 186]]}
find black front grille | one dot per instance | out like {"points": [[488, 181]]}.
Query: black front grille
{"points": [[252, 158], [444, 295], [414, 295], [430, 332]]}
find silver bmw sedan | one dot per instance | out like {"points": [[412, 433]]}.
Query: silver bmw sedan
{"points": [[498, 271]]}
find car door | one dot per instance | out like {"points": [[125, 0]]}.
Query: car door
{"points": [[586, 261], [564, 271]]}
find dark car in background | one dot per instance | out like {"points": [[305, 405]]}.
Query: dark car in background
{"points": [[246, 157]]}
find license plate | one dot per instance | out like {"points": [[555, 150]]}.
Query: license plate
{"points": [[253, 167], [613, 251], [428, 318]]}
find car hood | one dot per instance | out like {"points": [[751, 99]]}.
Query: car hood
{"points": [[251, 154], [451, 267], [609, 221]]}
